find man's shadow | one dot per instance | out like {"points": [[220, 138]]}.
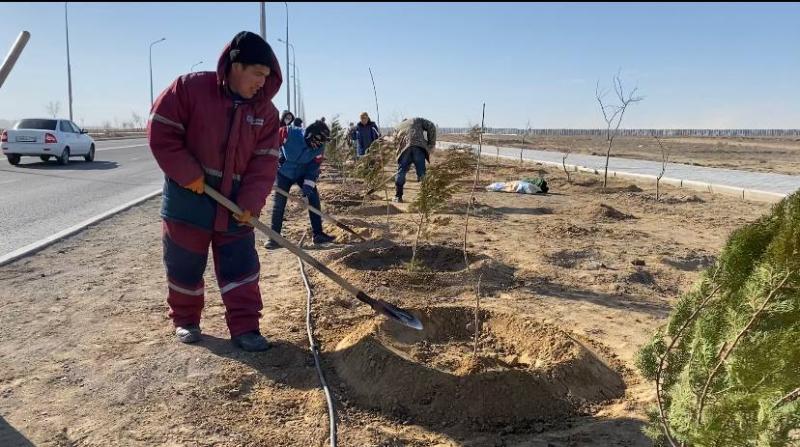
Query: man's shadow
{"points": [[10, 437], [283, 362]]}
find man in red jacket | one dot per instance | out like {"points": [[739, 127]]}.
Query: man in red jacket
{"points": [[219, 129]]}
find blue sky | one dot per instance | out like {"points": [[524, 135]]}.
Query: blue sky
{"points": [[698, 65]]}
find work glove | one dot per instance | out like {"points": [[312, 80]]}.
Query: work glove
{"points": [[196, 185], [308, 190], [244, 218]]}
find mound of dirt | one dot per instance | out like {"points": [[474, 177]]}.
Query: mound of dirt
{"points": [[562, 230], [630, 189], [573, 258], [586, 182], [690, 261], [339, 199], [641, 276], [434, 258], [602, 211], [691, 198], [526, 372], [374, 210], [668, 199], [477, 209]]}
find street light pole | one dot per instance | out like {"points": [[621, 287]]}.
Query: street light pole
{"points": [[301, 109], [191, 70], [288, 94], [294, 71], [69, 69], [264, 21], [151, 68], [294, 77]]}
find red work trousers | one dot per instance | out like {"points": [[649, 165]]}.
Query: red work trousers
{"points": [[236, 266]]}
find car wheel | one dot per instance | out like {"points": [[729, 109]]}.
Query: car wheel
{"points": [[64, 158], [45, 157], [13, 159], [90, 155]]}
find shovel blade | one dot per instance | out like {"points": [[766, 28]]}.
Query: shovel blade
{"points": [[401, 316], [391, 311]]}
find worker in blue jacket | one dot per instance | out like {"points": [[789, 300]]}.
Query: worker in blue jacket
{"points": [[302, 153], [365, 132]]}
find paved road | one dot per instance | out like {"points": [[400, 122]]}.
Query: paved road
{"points": [[38, 199], [777, 183]]}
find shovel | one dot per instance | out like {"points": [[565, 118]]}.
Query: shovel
{"points": [[380, 185], [379, 306], [319, 213]]}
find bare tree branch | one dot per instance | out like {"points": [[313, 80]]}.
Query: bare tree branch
{"points": [[474, 186], [664, 161], [477, 317], [791, 397], [614, 120], [53, 107]]}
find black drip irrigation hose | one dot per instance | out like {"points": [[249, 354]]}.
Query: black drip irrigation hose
{"points": [[315, 351]]}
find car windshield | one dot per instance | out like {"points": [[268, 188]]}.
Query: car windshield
{"points": [[36, 124]]}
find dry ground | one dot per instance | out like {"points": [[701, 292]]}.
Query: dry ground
{"points": [[775, 155], [572, 283]]}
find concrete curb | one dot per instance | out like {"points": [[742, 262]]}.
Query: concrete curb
{"points": [[744, 193], [39, 245], [128, 137], [102, 149]]}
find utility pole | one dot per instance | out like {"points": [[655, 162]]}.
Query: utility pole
{"points": [[264, 21], [69, 69]]}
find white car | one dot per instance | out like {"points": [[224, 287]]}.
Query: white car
{"points": [[47, 137]]}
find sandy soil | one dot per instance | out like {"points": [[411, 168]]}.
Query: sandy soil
{"points": [[572, 283], [776, 155]]}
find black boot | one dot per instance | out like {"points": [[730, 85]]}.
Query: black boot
{"points": [[398, 193], [323, 238], [251, 341]]}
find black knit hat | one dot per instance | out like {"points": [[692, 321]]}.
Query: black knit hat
{"points": [[249, 48], [317, 133]]}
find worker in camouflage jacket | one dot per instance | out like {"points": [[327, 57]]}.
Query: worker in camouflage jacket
{"points": [[415, 139]]}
